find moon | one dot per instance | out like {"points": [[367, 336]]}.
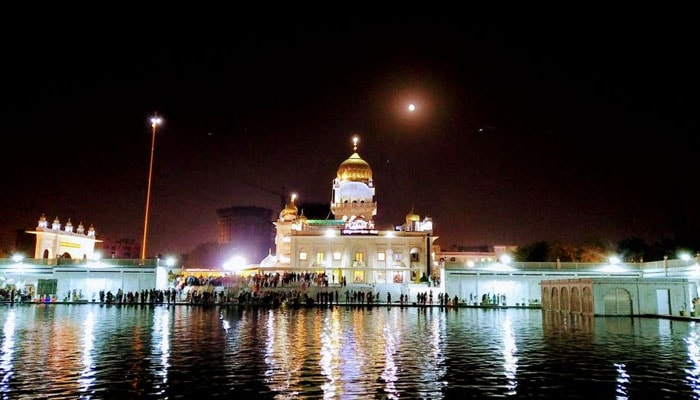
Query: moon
{"points": [[411, 107]]}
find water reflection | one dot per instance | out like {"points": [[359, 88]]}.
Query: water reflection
{"points": [[8, 345], [430, 350], [330, 354], [389, 376], [280, 355], [623, 379], [510, 364], [161, 341], [183, 352], [87, 375], [693, 372]]}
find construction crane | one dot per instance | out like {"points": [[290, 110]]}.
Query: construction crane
{"points": [[282, 195]]}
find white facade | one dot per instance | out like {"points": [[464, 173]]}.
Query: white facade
{"points": [[619, 296], [348, 248], [53, 242]]}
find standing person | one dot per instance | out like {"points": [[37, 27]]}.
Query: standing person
{"points": [[388, 298]]}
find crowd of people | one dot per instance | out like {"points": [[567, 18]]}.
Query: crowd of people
{"points": [[289, 288]]}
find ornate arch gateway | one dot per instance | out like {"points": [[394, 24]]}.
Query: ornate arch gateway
{"points": [[569, 296]]}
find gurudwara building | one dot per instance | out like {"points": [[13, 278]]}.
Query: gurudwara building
{"points": [[349, 248]]}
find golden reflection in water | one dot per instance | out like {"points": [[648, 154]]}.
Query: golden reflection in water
{"points": [[510, 364], [623, 379], [161, 334], [87, 374], [62, 344], [281, 356], [8, 347], [693, 374], [330, 353]]}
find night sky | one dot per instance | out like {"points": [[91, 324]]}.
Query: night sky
{"points": [[527, 129]]}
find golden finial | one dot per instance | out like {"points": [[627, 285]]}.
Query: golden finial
{"points": [[355, 139]]}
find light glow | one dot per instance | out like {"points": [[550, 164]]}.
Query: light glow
{"points": [[235, 264], [506, 258], [612, 268]]}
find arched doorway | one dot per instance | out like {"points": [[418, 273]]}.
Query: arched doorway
{"points": [[564, 300], [587, 301], [555, 300], [618, 301], [575, 300]]}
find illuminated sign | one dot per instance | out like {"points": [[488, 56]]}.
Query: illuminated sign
{"points": [[359, 232], [69, 244]]}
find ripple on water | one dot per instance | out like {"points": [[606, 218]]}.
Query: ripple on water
{"points": [[181, 352]]}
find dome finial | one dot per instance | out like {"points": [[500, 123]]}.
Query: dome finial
{"points": [[355, 139]]}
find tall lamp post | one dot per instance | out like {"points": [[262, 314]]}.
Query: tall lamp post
{"points": [[155, 121]]}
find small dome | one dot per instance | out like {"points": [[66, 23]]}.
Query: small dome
{"points": [[290, 211], [411, 217], [268, 261]]}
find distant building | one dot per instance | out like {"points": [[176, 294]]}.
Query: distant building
{"points": [[248, 231], [473, 256], [126, 248]]}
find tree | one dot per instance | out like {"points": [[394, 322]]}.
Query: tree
{"points": [[634, 249], [535, 252]]}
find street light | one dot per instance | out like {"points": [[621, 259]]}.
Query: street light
{"points": [[155, 121]]}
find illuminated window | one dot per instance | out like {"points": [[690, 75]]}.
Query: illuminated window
{"points": [[359, 256], [336, 256], [381, 256], [320, 258], [398, 256], [302, 256]]}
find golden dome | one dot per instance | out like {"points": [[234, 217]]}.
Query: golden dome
{"points": [[411, 217], [354, 169]]}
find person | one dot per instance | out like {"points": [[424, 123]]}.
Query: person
{"points": [[388, 298]]}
